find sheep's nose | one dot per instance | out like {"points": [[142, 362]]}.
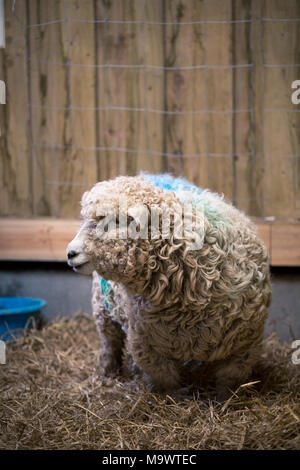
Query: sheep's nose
{"points": [[71, 254]]}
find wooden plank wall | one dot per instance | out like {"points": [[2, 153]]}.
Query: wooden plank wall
{"points": [[46, 239], [70, 84]]}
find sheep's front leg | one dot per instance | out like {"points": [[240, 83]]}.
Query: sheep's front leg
{"points": [[112, 342], [111, 334], [161, 373]]}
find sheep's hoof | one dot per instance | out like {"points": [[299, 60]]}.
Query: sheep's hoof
{"points": [[111, 369], [135, 371], [130, 368], [111, 373]]}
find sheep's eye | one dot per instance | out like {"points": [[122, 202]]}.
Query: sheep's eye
{"points": [[92, 224]]}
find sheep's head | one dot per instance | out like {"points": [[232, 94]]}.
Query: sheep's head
{"points": [[129, 228], [114, 237]]}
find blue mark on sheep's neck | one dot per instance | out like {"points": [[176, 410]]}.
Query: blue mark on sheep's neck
{"points": [[168, 182]]}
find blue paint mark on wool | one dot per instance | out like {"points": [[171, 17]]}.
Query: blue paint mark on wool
{"points": [[168, 182]]}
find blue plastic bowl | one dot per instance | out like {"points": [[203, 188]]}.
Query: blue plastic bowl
{"points": [[15, 313]]}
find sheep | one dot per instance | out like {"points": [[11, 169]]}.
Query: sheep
{"points": [[164, 301]]}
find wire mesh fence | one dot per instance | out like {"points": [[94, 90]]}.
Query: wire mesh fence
{"points": [[197, 88]]}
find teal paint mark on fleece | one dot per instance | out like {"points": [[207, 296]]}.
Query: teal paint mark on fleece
{"points": [[106, 290], [167, 182]]}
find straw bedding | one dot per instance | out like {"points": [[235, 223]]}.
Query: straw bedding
{"points": [[52, 398]]}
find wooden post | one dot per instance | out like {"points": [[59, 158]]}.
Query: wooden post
{"points": [[243, 132], [62, 101], [2, 24], [185, 130], [15, 161]]}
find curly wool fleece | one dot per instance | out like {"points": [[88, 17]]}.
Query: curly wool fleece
{"points": [[165, 304], [166, 182]]}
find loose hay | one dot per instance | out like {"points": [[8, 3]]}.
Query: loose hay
{"points": [[52, 398]]}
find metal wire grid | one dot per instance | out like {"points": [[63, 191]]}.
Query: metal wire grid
{"points": [[145, 109]]}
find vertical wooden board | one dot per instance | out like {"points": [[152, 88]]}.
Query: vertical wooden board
{"points": [[243, 143], [111, 82], [281, 129], [15, 158], [278, 181], [48, 88], [185, 130], [79, 165], [258, 96], [152, 36], [102, 87], [114, 42], [219, 97], [121, 87], [62, 83], [281, 142], [4, 178], [3, 143], [244, 184]]}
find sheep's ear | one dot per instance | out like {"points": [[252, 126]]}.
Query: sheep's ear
{"points": [[84, 197]]}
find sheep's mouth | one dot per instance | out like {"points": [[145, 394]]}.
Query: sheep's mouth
{"points": [[79, 266]]}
